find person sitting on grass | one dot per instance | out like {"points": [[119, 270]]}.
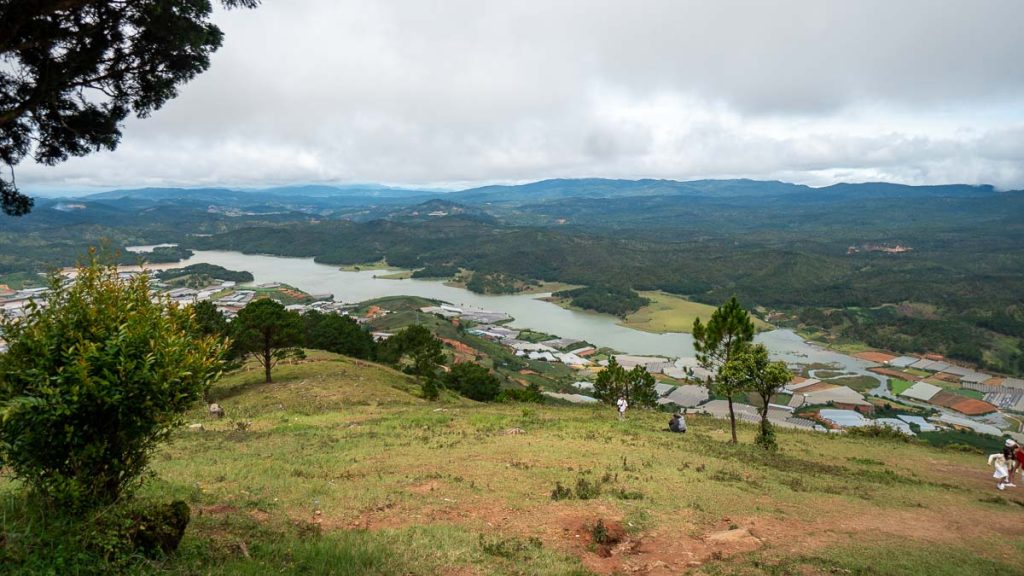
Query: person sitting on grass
{"points": [[677, 423]]}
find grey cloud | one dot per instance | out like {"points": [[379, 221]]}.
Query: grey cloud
{"points": [[472, 91]]}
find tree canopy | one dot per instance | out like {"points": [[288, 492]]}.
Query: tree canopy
{"points": [[417, 351], [93, 381], [473, 381], [727, 332], [73, 70], [751, 370], [338, 334], [636, 385], [267, 331]]}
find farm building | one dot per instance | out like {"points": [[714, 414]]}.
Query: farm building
{"points": [[844, 418], [686, 396], [662, 389], [903, 361], [561, 343], [574, 398], [968, 424], [813, 392], [921, 423], [922, 391]]}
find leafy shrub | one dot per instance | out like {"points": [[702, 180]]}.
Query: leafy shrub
{"points": [[113, 539], [510, 548], [599, 532], [587, 490], [473, 381], [93, 381], [561, 492], [624, 494], [430, 389], [531, 393], [877, 431], [966, 448]]}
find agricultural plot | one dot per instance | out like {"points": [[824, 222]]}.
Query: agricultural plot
{"points": [[898, 386]]}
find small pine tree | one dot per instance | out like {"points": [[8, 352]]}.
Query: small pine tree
{"points": [[728, 330], [267, 331]]}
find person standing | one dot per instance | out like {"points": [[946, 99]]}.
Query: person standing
{"points": [[1001, 474], [1012, 464], [621, 404], [1018, 457]]}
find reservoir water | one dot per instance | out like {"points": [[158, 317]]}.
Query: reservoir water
{"points": [[528, 310]]}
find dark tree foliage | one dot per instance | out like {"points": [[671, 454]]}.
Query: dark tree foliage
{"points": [[338, 334], [751, 370], [265, 330], [965, 263], [206, 271], [531, 393], [208, 321], [727, 332], [473, 381], [636, 385], [608, 299], [73, 70], [416, 350]]}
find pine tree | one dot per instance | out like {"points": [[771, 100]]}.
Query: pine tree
{"points": [[729, 329]]}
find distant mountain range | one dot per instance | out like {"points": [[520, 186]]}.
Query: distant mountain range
{"points": [[535, 192]]}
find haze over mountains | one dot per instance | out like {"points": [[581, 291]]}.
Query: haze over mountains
{"points": [[325, 196]]}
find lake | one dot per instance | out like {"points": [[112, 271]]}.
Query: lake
{"points": [[528, 310]]}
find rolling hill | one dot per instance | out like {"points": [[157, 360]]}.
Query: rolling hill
{"points": [[339, 467]]}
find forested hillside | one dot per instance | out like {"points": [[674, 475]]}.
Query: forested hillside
{"points": [[910, 269]]}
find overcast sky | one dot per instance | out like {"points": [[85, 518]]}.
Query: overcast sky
{"points": [[465, 92]]}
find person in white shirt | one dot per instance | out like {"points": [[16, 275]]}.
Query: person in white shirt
{"points": [[621, 404], [1001, 473]]}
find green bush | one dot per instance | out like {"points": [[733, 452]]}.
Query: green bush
{"points": [[473, 381], [878, 431], [531, 393], [39, 539], [93, 381], [587, 490], [561, 492]]}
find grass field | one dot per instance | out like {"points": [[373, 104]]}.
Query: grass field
{"points": [[862, 384], [899, 386], [378, 265], [340, 468], [669, 313], [400, 275]]}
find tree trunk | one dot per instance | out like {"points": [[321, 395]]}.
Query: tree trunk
{"points": [[267, 364], [732, 421], [764, 418]]}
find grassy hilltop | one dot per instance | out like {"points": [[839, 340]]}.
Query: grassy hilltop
{"points": [[340, 468]]}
